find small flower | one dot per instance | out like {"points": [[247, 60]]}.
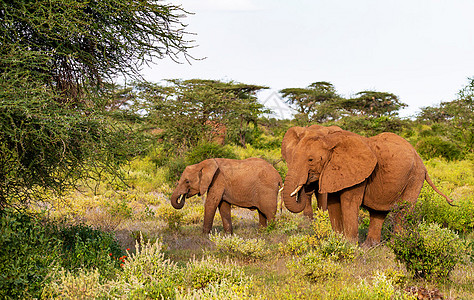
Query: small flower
{"points": [[110, 254], [128, 249], [121, 265]]}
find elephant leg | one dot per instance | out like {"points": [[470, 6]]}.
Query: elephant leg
{"points": [[213, 199], [306, 197], [375, 227], [334, 210], [262, 219], [224, 211], [351, 199], [409, 195], [322, 201], [308, 209]]}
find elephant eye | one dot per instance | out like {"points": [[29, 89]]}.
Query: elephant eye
{"points": [[310, 159], [187, 181]]}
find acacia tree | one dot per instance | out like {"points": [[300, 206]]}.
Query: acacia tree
{"points": [[56, 58], [313, 103], [187, 109], [454, 120], [372, 103]]}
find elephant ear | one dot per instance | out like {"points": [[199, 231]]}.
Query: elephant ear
{"points": [[206, 174], [291, 138], [350, 163]]}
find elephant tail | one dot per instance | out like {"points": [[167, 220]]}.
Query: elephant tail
{"points": [[428, 179]]}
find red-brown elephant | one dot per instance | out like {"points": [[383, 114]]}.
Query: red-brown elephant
{"points": [[354, 171], [288, 146], [251, 183]]}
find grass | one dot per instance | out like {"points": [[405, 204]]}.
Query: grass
{"points": [[274, 261]]}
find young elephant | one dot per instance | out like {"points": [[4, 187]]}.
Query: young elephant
{"points": [[251, 183]]}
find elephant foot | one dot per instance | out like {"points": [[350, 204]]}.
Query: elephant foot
{"points": [[370, 243]]}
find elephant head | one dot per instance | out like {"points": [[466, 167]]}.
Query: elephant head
{"points": [[290, 143], [336, 161], [195, 179]]}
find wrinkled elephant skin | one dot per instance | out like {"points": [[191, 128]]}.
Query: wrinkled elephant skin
{"points": [[375, 173], [288, 146], [251, 183]]}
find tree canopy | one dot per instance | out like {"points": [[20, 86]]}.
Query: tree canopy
{"points": [[454, 120], [311, 102], [373, 103], [56, 59], [320, 102], [198, 106]]}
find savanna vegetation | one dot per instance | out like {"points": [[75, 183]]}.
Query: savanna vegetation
{"points": [[87, 167]]}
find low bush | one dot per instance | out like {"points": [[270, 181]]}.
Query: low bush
{"points": [[434, 146], [321, 238], [337, 247], [224, 290], [314, 266], [235, 246], [321, 224], [173, 217], [379, 287], [428, 250], [27, 254], [31, 251], [89, 248], [287, 223], [208, 271], [149, 273], [205, 150], [297, 244], [82, 284]]}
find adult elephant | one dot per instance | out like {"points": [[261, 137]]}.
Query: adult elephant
{"points": [[288, 146], [376, 173], [251, 183]]}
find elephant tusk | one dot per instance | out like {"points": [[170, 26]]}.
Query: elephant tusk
{"points": [[295, 192], [181, 198], [281, 189]]}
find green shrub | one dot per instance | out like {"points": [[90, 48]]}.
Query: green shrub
{"points": [[204, 151], [207, 271], [380, 287], [428, 250], [85, 247], [433, 208], [175, 168], [321, 224], [150, 274], [337, 247], [28, 252], [314, 266], [267, 142], [173, 217], [82, 284], [224, 290], [233, 245], [434, 146], [147, 274], [287, 223], [297, 244], [452, 173]]}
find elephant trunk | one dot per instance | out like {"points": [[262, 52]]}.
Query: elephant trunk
{"points": [[178, 200], [291, 194]]}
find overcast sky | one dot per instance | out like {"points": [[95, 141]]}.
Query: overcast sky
{"points": [[420, 50]]}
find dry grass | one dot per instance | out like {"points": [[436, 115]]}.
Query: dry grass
{"points": [[129, 213]]}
